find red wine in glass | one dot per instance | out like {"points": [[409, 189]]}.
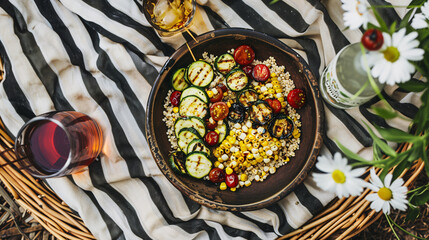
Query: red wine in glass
{"points": [[58, 143]]}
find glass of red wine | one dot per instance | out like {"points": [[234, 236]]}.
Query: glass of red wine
{"points": [[56, 144]]}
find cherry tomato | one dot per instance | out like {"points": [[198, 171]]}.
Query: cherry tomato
{"points": [[296, 98], [275, 104], [217, 175], [219, 111], [372, 39], [248, 70], [223, 87], [211, 126], [261, 73], [175, 98], [212, 138], [244, 55], [218, 96], [231, 180]]}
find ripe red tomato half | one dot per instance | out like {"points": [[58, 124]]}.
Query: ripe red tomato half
{"points": [[217, 175], [296, 98], [211, 138], [219, 111], [175, 98], [275, 104], [218, 96], [244, 55], [261, 73], [231, 180], [372, 39]]}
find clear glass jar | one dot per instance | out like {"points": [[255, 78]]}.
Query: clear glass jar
{"points": [[344, 77]]}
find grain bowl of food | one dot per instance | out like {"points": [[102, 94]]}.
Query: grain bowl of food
{"points": [[235, 120]]}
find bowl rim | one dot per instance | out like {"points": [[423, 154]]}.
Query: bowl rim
{"points": [[318, 138]]}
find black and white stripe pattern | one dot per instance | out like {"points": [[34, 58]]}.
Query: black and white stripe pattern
{"points": [[101, 57]]}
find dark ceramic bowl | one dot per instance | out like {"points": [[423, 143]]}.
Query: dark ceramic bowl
{"points": [[287, 177]]}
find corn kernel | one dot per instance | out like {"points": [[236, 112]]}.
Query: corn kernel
{"points": [[278, 144], [220, 159], [175, 109], [279, 90], [263, 173], [267, 160], [283, 104], [243, 177], [226, 144], [228, 104], [250, 136], [210, 93], [276, 157], [275, 81], [224, 157], [281, 99], [234, 164], [243, 148], [223, 186], [232, 140], [273, 74], [225, 94], [250, 156], [233, 189], [221, 166], [236, 169], [228, 170], [247, 183], [254, 162], [257, 178], [260, 159], [227, 150], [287, 159], [240, 159], [264, 143], [272, 170], [263, 89], [297, 135], [216, 164], [271, 91]]}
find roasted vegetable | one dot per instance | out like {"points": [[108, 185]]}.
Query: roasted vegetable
{"points": [[281, 127], [237, 113], [261, 113]]}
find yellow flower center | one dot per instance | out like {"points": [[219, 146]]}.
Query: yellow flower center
{"points": [[385, 193], [391, 54], [338, 176]]}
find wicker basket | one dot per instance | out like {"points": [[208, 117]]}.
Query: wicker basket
{"points": [[341, 219]]}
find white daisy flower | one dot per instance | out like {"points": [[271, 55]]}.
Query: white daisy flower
{"points": [[339, 177], [387, 194], [391, 63], [356, 13], [420, 20]]}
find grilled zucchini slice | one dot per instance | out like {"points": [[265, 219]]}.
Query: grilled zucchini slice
{"points": [[224, 63], [193, 106], [198, 164], [237, 80], [195, 91], [178, 80], [199, 73]]}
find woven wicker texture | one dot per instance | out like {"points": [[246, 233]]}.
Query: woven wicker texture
{"points": [[341, 219]]}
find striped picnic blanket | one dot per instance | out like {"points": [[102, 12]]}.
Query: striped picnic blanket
{"points": [[101, 57]]}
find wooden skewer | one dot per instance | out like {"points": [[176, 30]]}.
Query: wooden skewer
{"points": [[192, 36], [191, 52]]}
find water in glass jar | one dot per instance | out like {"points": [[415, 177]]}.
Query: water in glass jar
{"points": [[344, 77]]}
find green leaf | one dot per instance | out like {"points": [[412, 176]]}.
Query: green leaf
{"points": [[384, 113], [400, 168], [383, 26], [417, 2], [413, 213], [422, 198], [393, 28], [405, 20], [396, 135], [422, 117], [380, 143], [414, 85], [349, 153]]}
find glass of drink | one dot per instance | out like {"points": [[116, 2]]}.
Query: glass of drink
{"points": [[56, 144], [169, 16]]}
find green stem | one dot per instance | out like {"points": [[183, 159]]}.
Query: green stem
{"points": [[394, 6], [368, 72], [391, 227], [405, 231], [360, 90]]}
